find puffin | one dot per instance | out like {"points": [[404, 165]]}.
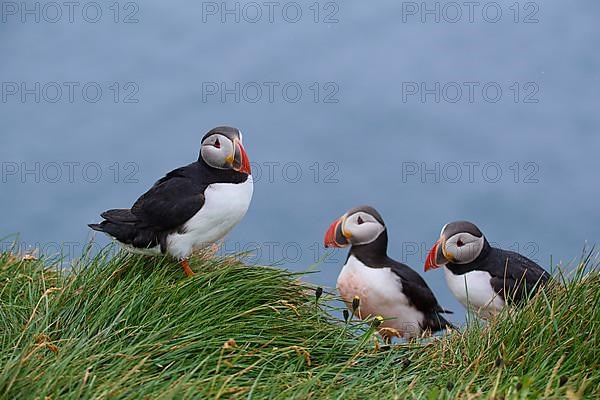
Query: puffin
{"points": [[483, 278], [190, 208], [380, 285]]}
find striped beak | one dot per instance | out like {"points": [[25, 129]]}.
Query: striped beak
{"points": [[241, 162], [334, 237], [436, 258]]}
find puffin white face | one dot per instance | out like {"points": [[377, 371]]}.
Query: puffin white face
{"points": [[218, 151], [357, 227], [460, 242], [361, 228], [463, 248], [224, 150]]}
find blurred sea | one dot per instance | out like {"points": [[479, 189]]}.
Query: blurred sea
{"points": [[338, 109]]}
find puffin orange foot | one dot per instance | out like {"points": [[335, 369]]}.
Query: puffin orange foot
{"points": [[186, 268]]}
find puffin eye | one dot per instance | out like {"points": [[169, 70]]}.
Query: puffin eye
{"points": [[460, 243], [360, 220], [217, 144]]}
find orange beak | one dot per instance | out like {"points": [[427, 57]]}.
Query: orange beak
{"points": [[242, 162], [435, 258], [334, 236]]}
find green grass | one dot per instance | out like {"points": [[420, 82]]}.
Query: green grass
{"points": [[130, 327]]}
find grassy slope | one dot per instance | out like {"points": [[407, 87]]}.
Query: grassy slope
{"points": [[136, 328]]}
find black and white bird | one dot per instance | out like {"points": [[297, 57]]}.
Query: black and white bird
{"points": [[384, 286], [192, 207], [482, 278]]}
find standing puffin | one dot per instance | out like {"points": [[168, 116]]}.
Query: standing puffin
{"points": [[385, 287], [483, 278], [190, 208]]}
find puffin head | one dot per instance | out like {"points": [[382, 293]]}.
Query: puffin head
{"points": [[460, 242], [222, 149], [360, 225]]}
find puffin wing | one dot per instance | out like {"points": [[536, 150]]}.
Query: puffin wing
{"points": [[516, 276], [172, 201], [416, 289]]}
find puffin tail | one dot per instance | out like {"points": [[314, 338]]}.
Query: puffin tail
{"points": [[439, 323], [120, 224], [119, 216], [96, 227], [450, 325]]}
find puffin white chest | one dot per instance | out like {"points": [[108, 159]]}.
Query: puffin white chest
{"points": [[380, 292], [224, 207], [474, 291]]}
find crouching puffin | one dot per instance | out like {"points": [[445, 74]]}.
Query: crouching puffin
{"points": [[483, 278], [191, 207], [383, 286]]}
